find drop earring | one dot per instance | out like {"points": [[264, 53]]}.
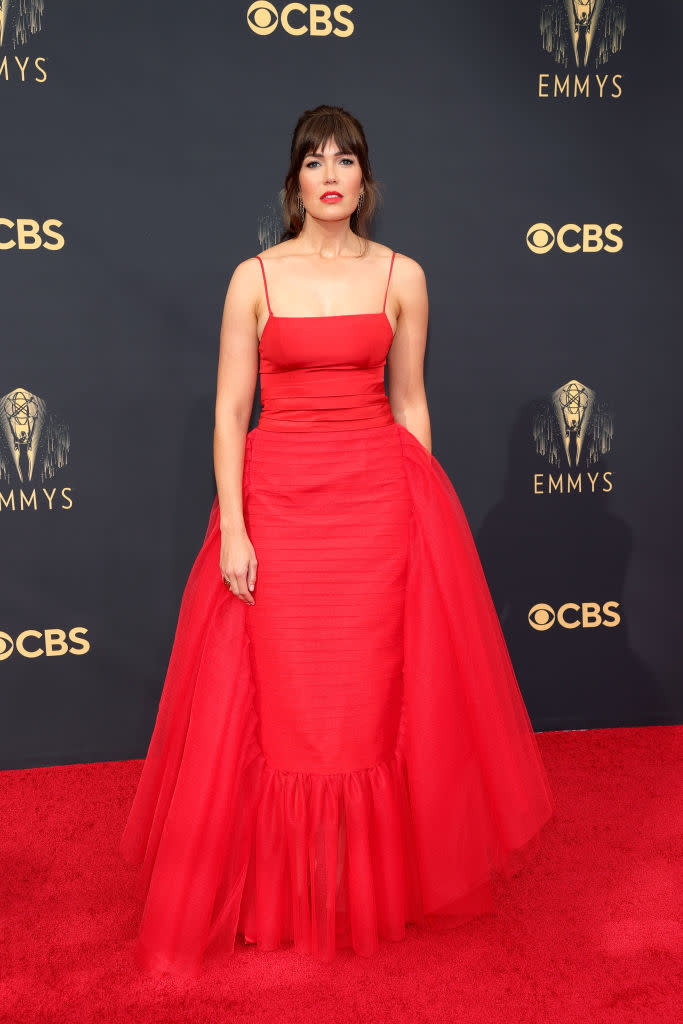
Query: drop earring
{"points": [[302, 208]]}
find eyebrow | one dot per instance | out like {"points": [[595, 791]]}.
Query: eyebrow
{"points": [[339, 152]]}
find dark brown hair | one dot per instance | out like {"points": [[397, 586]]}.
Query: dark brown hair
{"points": [[313, 129]]}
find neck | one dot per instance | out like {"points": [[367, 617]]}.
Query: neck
{"points": [[328, 240]]}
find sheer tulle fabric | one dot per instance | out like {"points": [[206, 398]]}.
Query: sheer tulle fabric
{"points": [[447, 799], [477, 781]]}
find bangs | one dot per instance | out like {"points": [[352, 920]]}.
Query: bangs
{"points": [[322, 129]]}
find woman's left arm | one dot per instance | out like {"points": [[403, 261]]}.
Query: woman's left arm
{"points": [[405, 362]]}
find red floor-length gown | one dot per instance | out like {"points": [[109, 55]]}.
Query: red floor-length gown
{"points": [[351, 753]]}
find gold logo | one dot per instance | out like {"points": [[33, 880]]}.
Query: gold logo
{"points": [[581, 37], [573, 425], [31, 235], [51, 643], [20, 19], [577, 33], [590, 238], [298, 19], [34, 447], [587, 615], [572, 432]]}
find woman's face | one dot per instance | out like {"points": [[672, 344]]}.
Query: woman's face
{"points": [[330, 172]]}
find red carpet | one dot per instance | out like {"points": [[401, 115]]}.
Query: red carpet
{"points": [[590, 931]]}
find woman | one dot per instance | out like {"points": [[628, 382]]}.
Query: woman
{"points": [[341, 746]]}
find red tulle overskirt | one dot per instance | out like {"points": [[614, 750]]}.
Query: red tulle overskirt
{"points": [[352, 753]]}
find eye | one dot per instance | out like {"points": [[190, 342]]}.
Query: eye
{"points": [[312, 163]]}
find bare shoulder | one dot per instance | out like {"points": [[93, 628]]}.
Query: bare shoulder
{"points": [[245, 287], [245, 271], [243, 284], [250, 268], [409, 284], [277, 251], [409, 270], [248, 274]]}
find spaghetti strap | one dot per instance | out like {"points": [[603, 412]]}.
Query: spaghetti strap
{"points": [[265, 283], [391, 266]]}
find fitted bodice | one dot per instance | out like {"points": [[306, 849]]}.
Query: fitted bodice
{"points": [[324, 372]]}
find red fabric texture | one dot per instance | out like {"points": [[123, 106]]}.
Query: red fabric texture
{"points": [[351, 753]]}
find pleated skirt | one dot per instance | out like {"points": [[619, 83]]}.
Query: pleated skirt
{"points": [[328, 513]]}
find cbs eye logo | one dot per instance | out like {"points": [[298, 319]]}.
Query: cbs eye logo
{"points": [[299, 19], [574, 616], [540, 238], [33, 643]]}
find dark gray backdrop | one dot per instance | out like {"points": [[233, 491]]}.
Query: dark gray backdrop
{"points": [[159, 141]]}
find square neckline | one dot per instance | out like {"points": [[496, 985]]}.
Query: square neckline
{"points": [[325, 316]]}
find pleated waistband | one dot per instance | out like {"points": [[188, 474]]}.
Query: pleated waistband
{"points": [[324, 399]]}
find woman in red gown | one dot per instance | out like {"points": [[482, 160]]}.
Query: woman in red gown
{"points": [[341, 747]]}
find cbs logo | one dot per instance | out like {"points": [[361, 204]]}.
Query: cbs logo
{"points": [[299, 19], [28, 234], [33, 643], [572, 616], [540, 238]]}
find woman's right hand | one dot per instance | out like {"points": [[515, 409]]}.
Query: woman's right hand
{"points": [[238, 565]]}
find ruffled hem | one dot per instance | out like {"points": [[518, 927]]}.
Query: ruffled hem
{"points": [[231, 845], [332, 861]]}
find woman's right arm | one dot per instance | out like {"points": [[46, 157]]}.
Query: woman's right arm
{"points": [[237, 373]]}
